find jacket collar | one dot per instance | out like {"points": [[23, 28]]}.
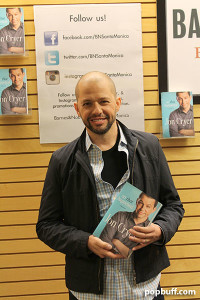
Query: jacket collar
{"points": [[129, 134]]}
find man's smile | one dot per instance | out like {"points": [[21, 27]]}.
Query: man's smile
{"points": [[97, 120]]}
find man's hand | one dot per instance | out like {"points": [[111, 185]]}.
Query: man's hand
{"points": [[16, 49], [187, 132], [18, 110], [145, 235], [100, 248]]}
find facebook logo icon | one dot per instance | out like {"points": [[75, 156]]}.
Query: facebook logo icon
{"points": [[51, 58], [51, 38]]}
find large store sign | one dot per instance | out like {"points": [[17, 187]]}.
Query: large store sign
{"points": [[72, 40], [181, 49]]}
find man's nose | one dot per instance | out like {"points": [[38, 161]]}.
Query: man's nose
{"points": [[97, 109]]}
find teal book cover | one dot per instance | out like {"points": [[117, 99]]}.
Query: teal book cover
{"points": [[131, 207], [177, 114], [13, 92], [12, 37]]}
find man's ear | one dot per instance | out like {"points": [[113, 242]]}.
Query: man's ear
{"points": [[118, 103], [76, 108]]}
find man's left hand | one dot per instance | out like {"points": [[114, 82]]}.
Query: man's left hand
{"points": [[145, 235]]}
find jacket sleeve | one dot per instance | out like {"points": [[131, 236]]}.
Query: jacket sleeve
{"points": [[172, 211], [51, 228]]}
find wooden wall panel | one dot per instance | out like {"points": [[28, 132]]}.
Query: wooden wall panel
{"points": [[29, 269], [33, 273], [19, 203], [33, 288], [31, 259]]}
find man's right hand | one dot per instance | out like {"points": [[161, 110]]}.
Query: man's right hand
{"points": [[100, 248]]}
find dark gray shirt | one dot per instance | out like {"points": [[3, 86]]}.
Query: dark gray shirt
{"points": [[180, 120], [10, 37], [10, 97]]}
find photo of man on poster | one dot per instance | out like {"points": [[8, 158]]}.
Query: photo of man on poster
{"points": [[12, 35], [181, 120], [14, 97]]}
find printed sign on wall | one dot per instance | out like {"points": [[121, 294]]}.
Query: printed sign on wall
{"points": [[72, 40], [183, 33], [178, 46]]}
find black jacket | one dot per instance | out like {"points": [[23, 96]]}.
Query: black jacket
{"points": [[69, 211]]}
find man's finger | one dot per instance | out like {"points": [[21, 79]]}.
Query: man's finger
{"points": [[147, 229], [143, 240], [140, 235]]}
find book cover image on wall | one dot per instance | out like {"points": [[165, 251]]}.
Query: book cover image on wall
{"points": [[13, 92], [12, 41], [131, 207], [177, 114]]}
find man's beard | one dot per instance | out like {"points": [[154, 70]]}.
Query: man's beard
{"points": [[100, 131]]}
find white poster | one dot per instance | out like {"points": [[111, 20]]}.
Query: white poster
{"points": [[183, 45], [72, 40]]}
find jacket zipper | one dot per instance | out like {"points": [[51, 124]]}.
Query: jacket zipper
{"points": [[133, 162], [134, 273], [99, 275], [82, 162], [99, 271]]}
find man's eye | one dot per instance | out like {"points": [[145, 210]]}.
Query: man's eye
{"points": [[86, 103]]}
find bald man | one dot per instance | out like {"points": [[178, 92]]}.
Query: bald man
{"points": [[83, 179]]}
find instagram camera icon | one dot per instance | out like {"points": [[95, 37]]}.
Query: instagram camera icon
{"points": [[51, 38]]}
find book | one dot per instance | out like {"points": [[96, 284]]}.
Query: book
{"points": [[131, 207], [13, 92], [177, 114], [12, 41]]}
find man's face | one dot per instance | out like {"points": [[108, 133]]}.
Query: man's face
{"points": [[97, 106], [14, 16], [17, 76], [145, 206], [184, 100]]}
